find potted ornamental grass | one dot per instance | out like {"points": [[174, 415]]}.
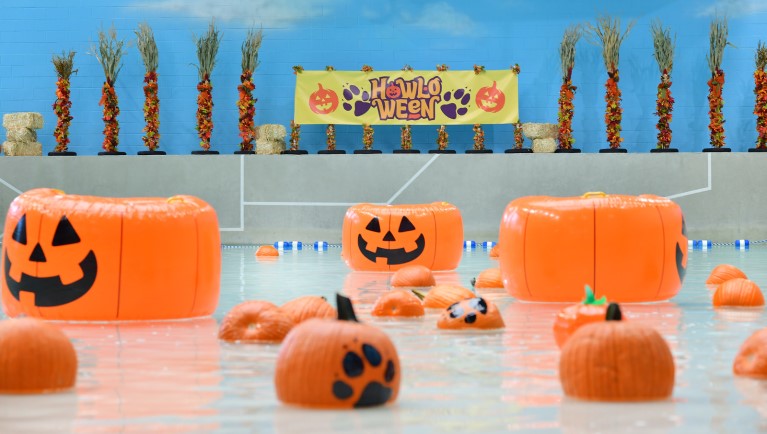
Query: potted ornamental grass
{"points": [[246, 103], [295, 138], [149, 55], [330, 132], [566, 109], [664, 104], [406, 141], [479, 141], [62, 107], [760, 92], [207, 50], [519, 139], [109, 53], [717, 43]]}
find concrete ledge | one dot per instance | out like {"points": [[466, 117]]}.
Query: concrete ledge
{"points": [[267, 198]]}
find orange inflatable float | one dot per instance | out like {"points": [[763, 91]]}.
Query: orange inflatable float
{"points": [[72, 257], [628, 248], [389, 237]]}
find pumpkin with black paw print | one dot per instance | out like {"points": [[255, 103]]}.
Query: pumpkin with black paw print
{"points": [[472, 313], [337, 363]]}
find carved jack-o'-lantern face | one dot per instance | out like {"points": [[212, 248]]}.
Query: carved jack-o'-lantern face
{"points": [[490, 99], [323, 101], [49, 291], [393, 91], [396, 255]]}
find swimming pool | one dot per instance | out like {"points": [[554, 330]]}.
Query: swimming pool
{"points": [[175, 376]]}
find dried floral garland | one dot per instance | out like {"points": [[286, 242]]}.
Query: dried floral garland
{"points": [[298, 69], [479, 69], [204, 125], [407, 68], [149, 54], [613, 112], [295, 135], [109, 52], [715, 105], [367, 136], [760, 91], [330, 131], [516, 69], [664, 107], [565, 114], [479, 137], [442, 68], [406, 137], [442, 138], [111, 110], [63, 104], [246, 105], [367, 68], [330, 68], [519, 139]]}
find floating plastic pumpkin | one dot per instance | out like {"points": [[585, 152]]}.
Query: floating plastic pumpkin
{"points": [[738, 292], [35, 357], [616, 360], [267, 251], [472, 313], [571, 318], [308, 306], [398, 302], [389, 237], [72, 257], [494, 252], [722, 273], [414, 276], [342, 363], [489, 278], [751, 360], [490, 99], [442, 296], [634, 248], [323, 101], [255, 322]]}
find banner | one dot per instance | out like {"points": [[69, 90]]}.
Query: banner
{"points": [[406, 97]]}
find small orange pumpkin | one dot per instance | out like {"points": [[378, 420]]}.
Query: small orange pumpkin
{"points": [[751, 360], [472, 313], [398, 302], [738, 292], [571, 318], [327, 363], [494, 252], [442, 296], [255, 322], [37, 357], [413, 276], [267, 251], [617, 360], [308, 306], [490, 278], [722, 273], [490, 99], [323, 101]]}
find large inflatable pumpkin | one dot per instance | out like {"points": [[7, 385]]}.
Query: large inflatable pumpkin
{"points": [[73, 257], [629, 248], [389, 237]]}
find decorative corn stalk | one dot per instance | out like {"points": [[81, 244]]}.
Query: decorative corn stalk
{"points": [[567, 90], [207, 49], [63, 105], [664, 55], [479, 137], [367, 136], [246, 104], [109, 53], [607, 33], [760, 90], [717, 43], [295, 135], [330, 132], [149, 54], [442, 138], [406, 137], [519, 139]]}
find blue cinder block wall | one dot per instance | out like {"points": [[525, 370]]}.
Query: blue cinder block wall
{"points": [[385, 34]]}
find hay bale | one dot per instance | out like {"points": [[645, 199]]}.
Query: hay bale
{"points": [[268, 147], [544, 145], [20, 135], [270, 132], [31, 120], [540, 131], [22, 149]]}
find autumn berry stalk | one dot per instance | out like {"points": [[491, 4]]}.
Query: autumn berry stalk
{"points": [[760, 91], [567, 90], [246, 104], [207, 49], [149, 54], [63, 105], [717, 43], [664, 55], [109, 52]]}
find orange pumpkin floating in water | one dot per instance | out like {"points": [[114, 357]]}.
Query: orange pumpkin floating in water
{"points": [[751, 360], [722, 273], [390, 237], [738, 292], [267, 251], [37, 357], [398, 302], [414, 276], [616, 360], [494, 252], [442, 296], [72, 257], [490, 278], [633, 247], [340, 363], [571, 318], [255, 322], [308, 306], [473, 313]]}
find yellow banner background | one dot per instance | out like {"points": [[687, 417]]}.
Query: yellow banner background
{"points": [[406, 97]]}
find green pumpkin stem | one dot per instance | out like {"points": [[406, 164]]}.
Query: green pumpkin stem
{"points": [[613, 312], [345, 308], [418, 294], [591, 299]]}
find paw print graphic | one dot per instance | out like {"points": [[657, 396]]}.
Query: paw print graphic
{"points": [[367, 371], [456, 103], [360, 99]]}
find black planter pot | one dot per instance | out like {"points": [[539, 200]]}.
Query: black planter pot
{"points": [[245, 152], [442, 151], [112, 153], [407, 151], [479, 151], [294, 152], [204, 152], [717, 150], [662, 150], [614, 151], [331, 152], [368, 151], [62, 154], [567, 151], [757, 149], [518, 151], [151, 153]]}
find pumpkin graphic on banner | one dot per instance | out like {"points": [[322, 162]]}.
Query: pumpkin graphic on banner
{"points": [[491, 99], [323, 100]]}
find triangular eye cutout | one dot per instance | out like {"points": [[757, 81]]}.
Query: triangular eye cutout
{"points": [[20, 233], [374, 225], [406, 225], [65, 233]]}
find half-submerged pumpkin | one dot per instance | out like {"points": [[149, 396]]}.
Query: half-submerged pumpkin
{"points": [[722, 273], [738, 292], [398, 302], [442, 296], [340, 363], [308, 306], [616, 360], [571, 318], [473, 313], [751, 360], [413, 276], [489, 278], [267, 251], [255, 322]]}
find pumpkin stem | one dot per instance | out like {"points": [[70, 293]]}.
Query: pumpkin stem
{"points": [[613, 312], [418, 294], [345, 308], [473, 281], [591, 299]]}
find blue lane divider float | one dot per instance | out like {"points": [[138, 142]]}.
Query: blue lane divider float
{"points": [[469, 245], [488, 244], [700, 244], [288, 245], [320, 245], [742, 244]]}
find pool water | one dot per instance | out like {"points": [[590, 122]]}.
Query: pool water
{"points": [[175, 376]]}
